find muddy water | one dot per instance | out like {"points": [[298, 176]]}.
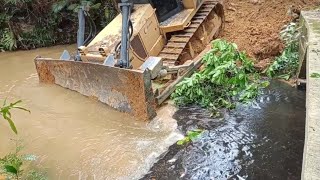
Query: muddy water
{"points": [[262, 140], [75, 137]]}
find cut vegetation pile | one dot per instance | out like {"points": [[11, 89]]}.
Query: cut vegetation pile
{"points": [[228, 76]]}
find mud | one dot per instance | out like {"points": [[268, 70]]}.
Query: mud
{"points": [[254, 25], [262, 140]]}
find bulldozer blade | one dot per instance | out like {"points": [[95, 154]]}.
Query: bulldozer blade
{"points": [[126, 90]]}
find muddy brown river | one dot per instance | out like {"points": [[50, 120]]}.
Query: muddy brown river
{"points": [[75, 137]]}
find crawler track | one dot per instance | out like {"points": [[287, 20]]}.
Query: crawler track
{"points": [[186, 44]]}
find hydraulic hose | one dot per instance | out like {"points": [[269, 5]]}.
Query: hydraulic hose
{"points": [[92, 31], [118, 46], [85, 43]]}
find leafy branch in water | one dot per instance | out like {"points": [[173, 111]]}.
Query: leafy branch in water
{"points": [[191, 136], [5, 112], [228, 76], [286, 65]]}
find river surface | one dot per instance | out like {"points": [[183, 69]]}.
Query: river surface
{"points": [[75, 137], [261, 140]]}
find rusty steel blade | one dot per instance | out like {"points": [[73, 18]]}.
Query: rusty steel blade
{"points": [[126, 90]]}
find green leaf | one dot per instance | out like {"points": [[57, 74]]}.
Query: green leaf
{"points": [[315, 75], [284, 76], [10, 169], [96, 6], [21, 108], [183, 141], [6, 114], [194, 134], [58, 6], [265, 84], [11, 123], [4, 102], [180, 142], [73, 7]]}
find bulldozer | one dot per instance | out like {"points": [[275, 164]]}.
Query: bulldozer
{"points": [[137, 60]]}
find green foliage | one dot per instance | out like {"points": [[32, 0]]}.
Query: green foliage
{"points": [[5, 112], [7, 39], [16, 166], [58, 6], [286, 65], [16, 2], [11, 165], [315, 75], [27, 24], [191, 136], [39, 37], [228, 76], [74, 6]]}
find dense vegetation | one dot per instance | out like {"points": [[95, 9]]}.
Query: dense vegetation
{"points": [[228, 76], [285, 66], [26, 24]]}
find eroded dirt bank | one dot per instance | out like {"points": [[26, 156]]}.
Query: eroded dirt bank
{"points": [[254, 25]]}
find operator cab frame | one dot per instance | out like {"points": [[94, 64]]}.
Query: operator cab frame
{"points": [[164, 9]]}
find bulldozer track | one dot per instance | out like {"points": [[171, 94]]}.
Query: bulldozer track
{"points": [[178, 43]]}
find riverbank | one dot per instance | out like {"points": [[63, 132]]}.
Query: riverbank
{"points": [[254, 25], [32, 24]]}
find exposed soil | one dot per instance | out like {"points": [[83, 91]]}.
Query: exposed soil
{"points": [[254, 25]]}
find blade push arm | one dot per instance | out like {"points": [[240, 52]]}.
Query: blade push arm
{"points": [[125, 7]]}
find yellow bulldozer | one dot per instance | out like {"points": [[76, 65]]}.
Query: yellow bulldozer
{"points": [[136, 61]]}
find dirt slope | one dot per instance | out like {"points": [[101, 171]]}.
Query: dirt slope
{"points": [[255, 25]]}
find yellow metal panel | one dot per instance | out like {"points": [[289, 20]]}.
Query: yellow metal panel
{"points": [[110, 36], [180, 20], [158, 46], [150, 32], [190, 4]]}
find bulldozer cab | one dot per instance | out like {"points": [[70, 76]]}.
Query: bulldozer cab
{"points": [[164, 9]]}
